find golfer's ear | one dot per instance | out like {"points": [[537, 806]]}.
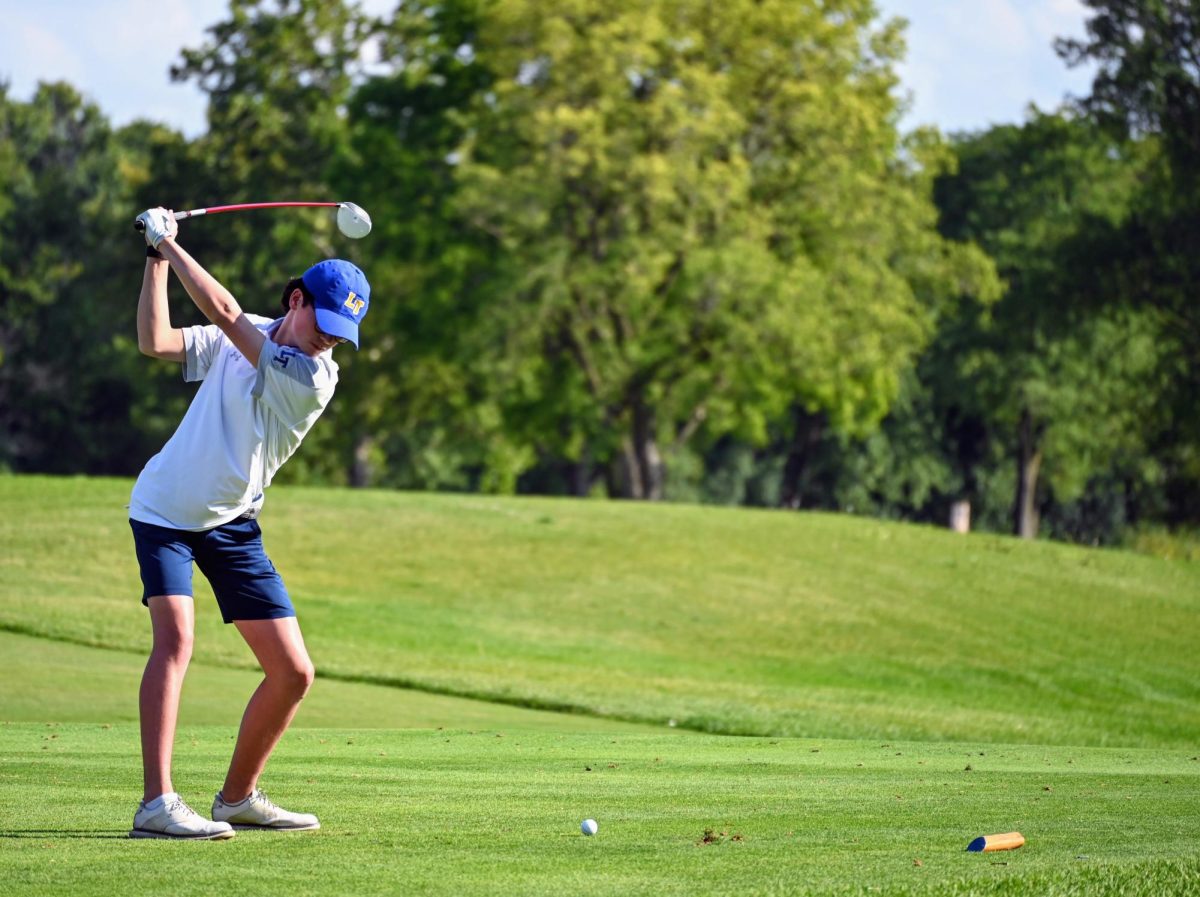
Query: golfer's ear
{"points": [[296, 300]]}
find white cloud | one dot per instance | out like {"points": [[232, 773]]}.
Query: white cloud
{"points": [[989, 25], [32, 52]]}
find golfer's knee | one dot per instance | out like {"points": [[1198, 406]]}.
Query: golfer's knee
{"points": [[296, 678], [305, 676], [172, 647]]}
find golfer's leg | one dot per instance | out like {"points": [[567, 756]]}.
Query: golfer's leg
{"points": [[172, 618], [279, 647]]}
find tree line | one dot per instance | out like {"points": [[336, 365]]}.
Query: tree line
{"points": [[655, 250]]}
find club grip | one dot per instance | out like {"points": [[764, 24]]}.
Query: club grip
{"points": [[139, 225]]}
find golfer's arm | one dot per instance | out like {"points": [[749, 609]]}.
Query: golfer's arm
{"points": [[156, 337], [214, 301]]}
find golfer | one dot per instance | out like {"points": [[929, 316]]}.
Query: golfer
{"points": [[265, 383]]}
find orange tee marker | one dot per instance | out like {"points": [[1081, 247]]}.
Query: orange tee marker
{"points": [[988, 843]]}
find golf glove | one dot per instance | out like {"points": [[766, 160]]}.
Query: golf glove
{"points": [[158, 224]]}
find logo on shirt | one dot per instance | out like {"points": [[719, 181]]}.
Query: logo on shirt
{"points": [[282, 356], [354, 303]]}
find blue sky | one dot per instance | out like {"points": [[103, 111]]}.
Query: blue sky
{"points": [[975, 63], [971, 63]]}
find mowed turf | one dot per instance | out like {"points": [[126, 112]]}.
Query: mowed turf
{"points": [[48, 681], [912, 689], [722, 620], [498, 812]]}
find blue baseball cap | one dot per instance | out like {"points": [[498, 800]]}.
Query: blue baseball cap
{"points": [[341, 295]]}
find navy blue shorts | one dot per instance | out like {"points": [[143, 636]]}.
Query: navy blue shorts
{"points": [[231, 557]]}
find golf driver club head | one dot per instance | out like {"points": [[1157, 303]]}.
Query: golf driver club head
{"points": [[353, 221]]}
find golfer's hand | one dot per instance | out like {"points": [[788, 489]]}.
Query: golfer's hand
{"points": [[157, 225]]}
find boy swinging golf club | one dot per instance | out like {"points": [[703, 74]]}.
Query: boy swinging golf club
{"points": [[265, 383]]}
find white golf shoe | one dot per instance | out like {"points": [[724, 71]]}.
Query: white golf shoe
{"points": [[169, 817], [257, 811]]}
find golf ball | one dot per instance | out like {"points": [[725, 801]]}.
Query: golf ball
{"points": [[589, 827]]}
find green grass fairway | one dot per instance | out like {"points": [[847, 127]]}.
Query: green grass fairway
{"points": [[486, 812], [725, 620], [46, 681], [492, 671]]}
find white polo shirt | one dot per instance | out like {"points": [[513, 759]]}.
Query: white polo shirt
{"points": [[243, 423]]}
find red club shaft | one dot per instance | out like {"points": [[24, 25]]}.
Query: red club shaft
{"points": [[243, 206]]}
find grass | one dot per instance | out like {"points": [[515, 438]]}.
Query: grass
{"points": [[102, 686], [728, 621], [1180, 544], [486, 812], [871, 663]]}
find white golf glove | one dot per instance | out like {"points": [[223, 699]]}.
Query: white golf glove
{"points": [[157, 225]]}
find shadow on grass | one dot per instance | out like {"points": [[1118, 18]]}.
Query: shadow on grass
{"points": [[46, 834]]}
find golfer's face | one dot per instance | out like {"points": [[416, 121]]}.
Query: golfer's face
{"points": [[311, 339], [323, 340]]}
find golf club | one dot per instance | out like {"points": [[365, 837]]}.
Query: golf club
{"points": [[352, 220]]}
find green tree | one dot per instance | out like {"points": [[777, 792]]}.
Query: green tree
{"points": [[440, 426], [707, 216], [279, 75], [67, 337], [1057, 381], [1147, 85], [1147, 54]]}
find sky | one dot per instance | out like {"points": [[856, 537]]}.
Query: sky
{"points": [[970, 63], [975, 63]]}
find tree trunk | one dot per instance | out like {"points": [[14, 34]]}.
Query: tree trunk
{"points": [[806, 434], [578, 475], [640, 471], [362, 472], [960, 516], [1029, 463]]}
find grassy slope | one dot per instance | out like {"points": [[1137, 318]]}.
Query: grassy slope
{"points": [[103, 687], [726, 620], [735, 620], [488, 813]]}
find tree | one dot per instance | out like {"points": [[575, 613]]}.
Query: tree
{"points": [[1147, 86], [1147, 54], [66, 316], [441, 427], [708, 218], [1055, 378], [279, 75]]}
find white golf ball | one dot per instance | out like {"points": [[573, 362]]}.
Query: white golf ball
{"points": [[589, 827], [353, 221]]}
